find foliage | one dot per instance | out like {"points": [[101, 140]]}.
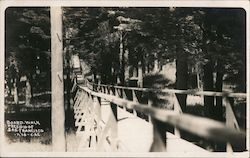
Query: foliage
{"points": [[28, 43], [202, 34]]}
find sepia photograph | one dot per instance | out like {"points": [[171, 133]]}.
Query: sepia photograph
{"points": [[168, 81]]}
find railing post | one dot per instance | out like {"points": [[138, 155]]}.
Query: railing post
{"points": [[177, 109], [107, 90], [104, 90], [100, 89], [231, 121], [116, 91], [94, 87], [159, 137], [159, 143], [134, 100], [114, 129], [124, 96], [111, 92], [150, 103]]}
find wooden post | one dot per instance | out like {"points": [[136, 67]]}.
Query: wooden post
{"points": [[134, 100], [124, 96], [159, 143], [114, 129], [177, 109], [159, 137], [231, 121], [57, 108], [150, 103]]}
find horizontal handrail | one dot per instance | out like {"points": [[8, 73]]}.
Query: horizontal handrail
{"points": [[207, 128], [177, 91]]}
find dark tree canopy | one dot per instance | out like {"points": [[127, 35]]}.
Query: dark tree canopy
{"points": [[202, 35], [28, 43]]}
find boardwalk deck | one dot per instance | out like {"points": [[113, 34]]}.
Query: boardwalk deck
{"points": [[136, 134]]}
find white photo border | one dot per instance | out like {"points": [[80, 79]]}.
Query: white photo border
{"points": [[4, 4]]}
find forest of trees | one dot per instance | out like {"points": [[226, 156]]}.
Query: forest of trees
{"points": [[27, 56], [118, 43], [121, 43]]}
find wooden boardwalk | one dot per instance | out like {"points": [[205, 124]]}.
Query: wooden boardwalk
{"points": [[104, 126], [136, 134]]}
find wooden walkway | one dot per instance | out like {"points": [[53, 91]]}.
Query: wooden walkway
{"points": [[136, 134]]}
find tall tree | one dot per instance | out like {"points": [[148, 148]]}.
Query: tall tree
{"points": [[224, 47]]}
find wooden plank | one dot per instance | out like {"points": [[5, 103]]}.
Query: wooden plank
{"points": [[57, 108]]}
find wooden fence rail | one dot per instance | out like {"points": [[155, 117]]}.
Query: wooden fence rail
{"points": [[94, 86], [117, 96]]}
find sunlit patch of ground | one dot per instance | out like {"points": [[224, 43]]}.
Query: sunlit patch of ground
{"points": [[194, 100]]}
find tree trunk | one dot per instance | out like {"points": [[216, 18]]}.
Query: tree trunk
{"points": [[140, 74], [218, 88], [199, 82], [126, 67], [15, 92], [10, 87], [181, 77], [208, 86], [30, 77], [121, 61], [113, 74], [146, 69], [156, 63], [57, 109], [27, 93], [242, 79]]}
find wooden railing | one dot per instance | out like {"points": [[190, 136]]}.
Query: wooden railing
{"points": [[87, 110]]}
